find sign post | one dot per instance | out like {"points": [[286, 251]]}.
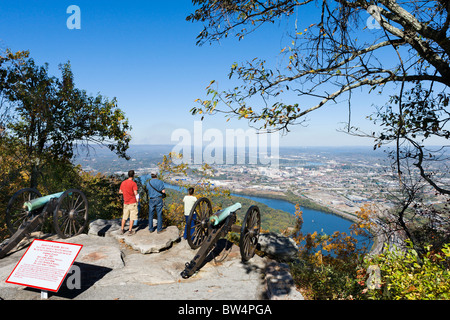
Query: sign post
{"points": [[44, 265]]}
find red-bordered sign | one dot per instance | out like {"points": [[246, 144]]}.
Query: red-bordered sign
{"points": [[45, 264]]}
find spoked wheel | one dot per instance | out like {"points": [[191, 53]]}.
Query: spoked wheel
{"points": [[250, 233], [198, 222], [16, 214], [71, 214]]}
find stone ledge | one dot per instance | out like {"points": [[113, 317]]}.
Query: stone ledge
{"points": [[279, 282], [142, 241], [278, 247]]}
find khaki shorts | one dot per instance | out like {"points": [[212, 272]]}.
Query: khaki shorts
{"points": [[131, 211]]}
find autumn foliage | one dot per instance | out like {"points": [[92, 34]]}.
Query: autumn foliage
{"points": [[332, 267], [328, 264]]}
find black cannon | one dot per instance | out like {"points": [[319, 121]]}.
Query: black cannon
{"points": [[27, 210], [204, 229]]}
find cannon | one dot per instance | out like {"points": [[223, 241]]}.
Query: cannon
{"points": [[28, 209], [204, 229]]}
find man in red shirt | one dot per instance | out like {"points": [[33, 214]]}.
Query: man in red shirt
{"points": [[129, 190]]}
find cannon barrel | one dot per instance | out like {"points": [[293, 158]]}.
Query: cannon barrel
{"points": [[26, 210], [221, 215], [40, 202]]}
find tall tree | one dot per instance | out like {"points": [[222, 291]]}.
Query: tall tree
{"points": [[52, 118], [352, 44], [327, 52]]}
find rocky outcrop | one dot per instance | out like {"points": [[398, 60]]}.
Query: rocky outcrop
{"points": [[142, 241], [278, 247], [279, 282], [122, 267]]}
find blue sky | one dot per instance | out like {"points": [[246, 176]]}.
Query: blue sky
{"points": [[144, 54]]}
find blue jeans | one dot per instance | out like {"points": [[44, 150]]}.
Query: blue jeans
{"points": [[155, 204], [192, 225]]}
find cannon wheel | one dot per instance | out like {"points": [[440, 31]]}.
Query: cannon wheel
{"points": [[71, 214], [250, 233], [15, 213], [199, 221]]}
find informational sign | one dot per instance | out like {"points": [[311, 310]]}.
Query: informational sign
{"points": [[45, 265]]}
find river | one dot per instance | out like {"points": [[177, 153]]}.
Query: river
{"points": [[313, 220]]}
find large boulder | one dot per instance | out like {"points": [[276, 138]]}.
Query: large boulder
{"points": [[279, 282], [98, 251], [278, 247], [142, 241], [103, 227], [146, 242]]}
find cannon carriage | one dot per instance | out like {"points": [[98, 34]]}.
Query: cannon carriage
{"points": [[27, 210], [204, 229]]}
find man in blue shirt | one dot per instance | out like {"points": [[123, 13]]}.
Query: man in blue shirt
{"points": [[156, 190]]}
